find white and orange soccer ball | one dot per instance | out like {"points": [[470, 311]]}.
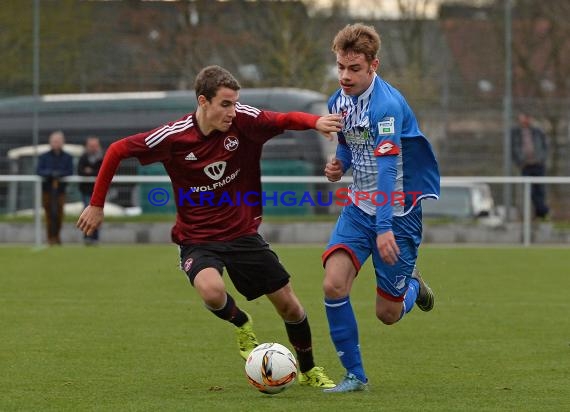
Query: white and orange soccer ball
{"points": [[271, 368]]}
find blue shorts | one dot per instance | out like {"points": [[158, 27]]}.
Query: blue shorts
{"points": [[355, 233]]}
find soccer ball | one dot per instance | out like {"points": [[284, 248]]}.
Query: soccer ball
{"points": [[271, 368]]}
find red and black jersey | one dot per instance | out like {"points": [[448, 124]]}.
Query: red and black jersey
{"points": [[211, 175]]}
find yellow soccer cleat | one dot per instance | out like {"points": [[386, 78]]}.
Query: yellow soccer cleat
{"points": [[246, 339], [317, 378]]}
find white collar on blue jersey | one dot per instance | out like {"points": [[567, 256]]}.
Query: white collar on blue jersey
{"points": [[365, 95]]}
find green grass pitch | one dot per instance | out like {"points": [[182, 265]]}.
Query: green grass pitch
{"points": [[119, 328]]}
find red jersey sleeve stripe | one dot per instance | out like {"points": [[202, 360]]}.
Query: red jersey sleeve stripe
{"points": [[244, 108], [165, 131]]}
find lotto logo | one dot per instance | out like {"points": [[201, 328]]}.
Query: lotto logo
{"points": [[386, 148]]}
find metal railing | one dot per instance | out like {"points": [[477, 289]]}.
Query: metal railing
{"points": [[525, 181]]}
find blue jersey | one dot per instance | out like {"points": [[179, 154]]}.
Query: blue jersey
{"points": [[392, 162]]}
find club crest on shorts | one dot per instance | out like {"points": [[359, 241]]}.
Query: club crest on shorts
{"points": [[188, 264], [400, 282]]}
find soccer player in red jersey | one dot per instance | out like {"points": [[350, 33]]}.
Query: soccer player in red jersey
{"points": [[217, 150]]}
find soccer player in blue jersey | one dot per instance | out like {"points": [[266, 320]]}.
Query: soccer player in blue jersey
{"points": [[393, 168]]}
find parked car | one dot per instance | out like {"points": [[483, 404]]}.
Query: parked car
{"points": [[472, 201], [114, 115]]}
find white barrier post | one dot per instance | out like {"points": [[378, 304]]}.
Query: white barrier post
{"points": [[37, 212], [526, 213]]}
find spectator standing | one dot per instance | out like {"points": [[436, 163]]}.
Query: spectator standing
{"points": [[52, 166], [89, 165], [530, 152]]}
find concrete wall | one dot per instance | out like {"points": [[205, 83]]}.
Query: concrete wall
{"points": [[302, 232]]}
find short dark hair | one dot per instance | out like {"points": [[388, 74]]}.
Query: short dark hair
{"points": [[211, 78]]}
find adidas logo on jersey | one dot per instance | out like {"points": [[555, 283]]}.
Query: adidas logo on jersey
{"points": [[191, 156]]}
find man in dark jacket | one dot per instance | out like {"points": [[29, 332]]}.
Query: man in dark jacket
{"points": [[52, 166], [89, 165], [530, 153]]}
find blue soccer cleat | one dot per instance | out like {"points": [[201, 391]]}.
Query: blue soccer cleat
{"points": [[349, 383]]}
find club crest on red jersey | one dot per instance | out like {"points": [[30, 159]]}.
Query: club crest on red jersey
{"points": [[231, 143]]}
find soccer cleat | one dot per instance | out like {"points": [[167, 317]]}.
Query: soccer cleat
{"points": [[246, 338], [426, 298], [316, 377], [349, 383]]}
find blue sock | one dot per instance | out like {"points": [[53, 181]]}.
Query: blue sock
{"points": [[410, 297], [344, 334]]}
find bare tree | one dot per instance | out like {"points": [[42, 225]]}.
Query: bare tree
{"points": [[541, 69], [269, 43], [287, 47], [541, 48], [168, 43], [408, 56], [64, 29]]}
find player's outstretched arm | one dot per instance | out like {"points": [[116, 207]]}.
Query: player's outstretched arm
{"points": [[326, 125], [90, 219], [329, 124], [387, 174], [92, 216]]}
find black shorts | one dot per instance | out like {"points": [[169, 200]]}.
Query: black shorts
{"points": [[252, 266]]}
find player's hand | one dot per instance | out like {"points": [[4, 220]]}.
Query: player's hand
{"points": [[329, 124], [333, 169], [389, 250], [90, 219]]}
